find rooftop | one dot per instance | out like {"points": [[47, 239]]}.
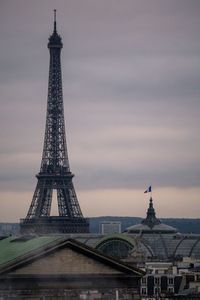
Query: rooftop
{"points": [[151, 224]]}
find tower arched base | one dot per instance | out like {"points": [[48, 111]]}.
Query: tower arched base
{"points": [[57, 224]]}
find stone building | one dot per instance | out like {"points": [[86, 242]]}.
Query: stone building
{"points": [[55, 267]]}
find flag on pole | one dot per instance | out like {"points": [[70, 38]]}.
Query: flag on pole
{"points": [[148, 190]]}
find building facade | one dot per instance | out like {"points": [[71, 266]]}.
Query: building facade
{"points": [[58, 268]]}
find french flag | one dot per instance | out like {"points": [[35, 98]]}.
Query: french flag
{"points": [[148, 190]]}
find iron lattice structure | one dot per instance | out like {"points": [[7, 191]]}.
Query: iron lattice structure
{"points": [[55, 174]]}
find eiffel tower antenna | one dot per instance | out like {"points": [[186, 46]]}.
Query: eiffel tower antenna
{"points": [[54, 20], [55, 175]]}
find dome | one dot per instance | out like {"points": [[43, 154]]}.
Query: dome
{"points": [[142, 228], [151, 224]]}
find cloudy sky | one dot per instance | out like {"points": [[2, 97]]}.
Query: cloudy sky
{"points": [[131, 81]]}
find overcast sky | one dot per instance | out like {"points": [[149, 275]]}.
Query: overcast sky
{"points": [[131, 82]]}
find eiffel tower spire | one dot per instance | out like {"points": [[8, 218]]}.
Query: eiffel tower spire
{"points": [[54, 20], [55, 174]]}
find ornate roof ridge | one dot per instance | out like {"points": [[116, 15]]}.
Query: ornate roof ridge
{"points": [[151, 219]]}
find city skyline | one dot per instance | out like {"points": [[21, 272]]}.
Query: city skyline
{"points": [[131, 74]]}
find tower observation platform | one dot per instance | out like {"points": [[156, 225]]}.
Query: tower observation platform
{"points": [[55, 175]]}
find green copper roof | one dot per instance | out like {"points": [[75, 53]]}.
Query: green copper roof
{"points": [[11, 248]]}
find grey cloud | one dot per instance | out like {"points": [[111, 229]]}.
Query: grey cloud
{"points": [[129, 69]]}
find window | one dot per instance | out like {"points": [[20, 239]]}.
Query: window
{"points": [[144, 280], [170, 290], [115, 247], [156, 291], [144, 291], [157, 280], [170, 280]]}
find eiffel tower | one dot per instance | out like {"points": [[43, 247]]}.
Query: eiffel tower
{"points": [[55, 175]]}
